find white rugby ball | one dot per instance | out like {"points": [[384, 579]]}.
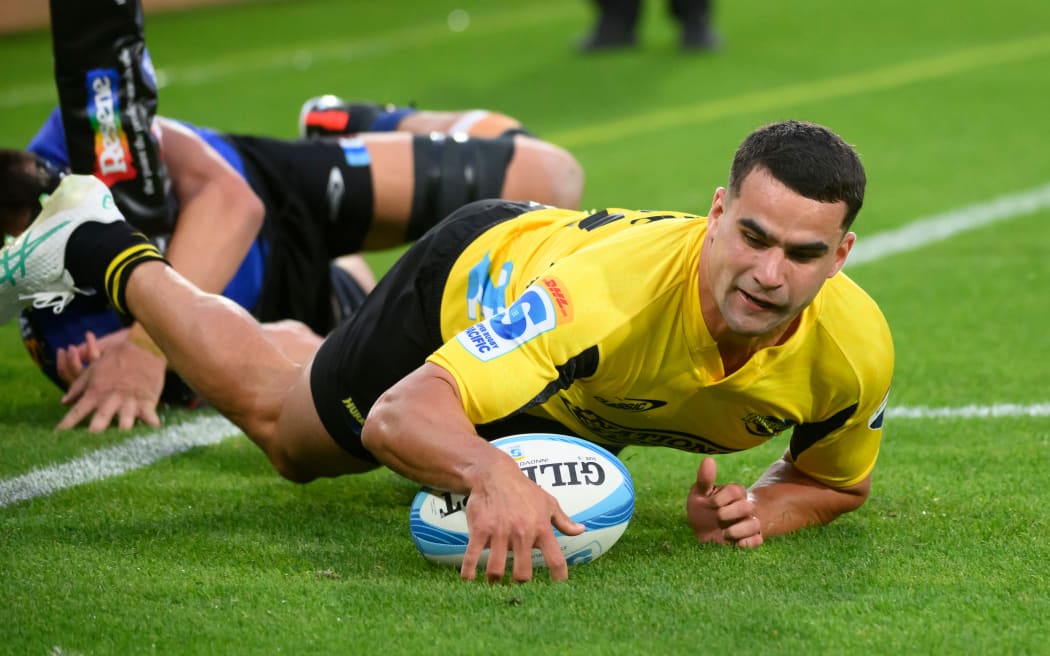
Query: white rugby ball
{"points": [[591, 484]]}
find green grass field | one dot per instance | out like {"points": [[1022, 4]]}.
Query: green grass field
{"points": [[209, 551]]}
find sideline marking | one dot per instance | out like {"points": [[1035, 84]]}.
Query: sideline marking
{"points": [[939, 227], [142, 451], [995, 411], [117, 459]]}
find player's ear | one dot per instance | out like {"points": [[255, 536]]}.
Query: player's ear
{"points": [[718, 206], [842, 252]]}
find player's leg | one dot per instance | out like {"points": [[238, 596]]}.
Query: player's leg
{"points": [[694, 16], [108, 98], [223, 354], [472, 122], [379, 190], [331, 116], [418, 180], [358, 270], [616, 26]]}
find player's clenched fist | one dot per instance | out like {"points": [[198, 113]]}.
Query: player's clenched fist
{"points": [[721, 513]]}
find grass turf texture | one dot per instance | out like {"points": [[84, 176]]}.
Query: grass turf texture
{"points": [[210, 551]]}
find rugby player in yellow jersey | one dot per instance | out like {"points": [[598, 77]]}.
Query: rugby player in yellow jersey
{"points": [[624, 327]]}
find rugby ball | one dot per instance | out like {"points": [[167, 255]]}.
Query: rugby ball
{"points": [[591, 484]]}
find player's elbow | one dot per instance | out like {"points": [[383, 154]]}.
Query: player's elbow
{"points": [[381, 428], [846, 500], [248, 207]]}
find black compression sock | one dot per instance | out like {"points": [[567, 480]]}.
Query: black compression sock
{"points": [[101, 256]]}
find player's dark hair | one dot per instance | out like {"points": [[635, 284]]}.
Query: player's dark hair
{"points": [[806, 157], [23, 178]]}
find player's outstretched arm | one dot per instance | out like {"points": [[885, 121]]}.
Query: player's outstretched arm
{"points": [[419, 429], [122, 383], [782, 500], [787, 500]]}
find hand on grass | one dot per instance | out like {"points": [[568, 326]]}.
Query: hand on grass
{"points": [[111, 380], [721, 513]]}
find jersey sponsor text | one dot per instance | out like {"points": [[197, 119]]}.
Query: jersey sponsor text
{"points": [[112, 154]]}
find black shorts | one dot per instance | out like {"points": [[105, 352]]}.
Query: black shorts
{"points": [[398, 327], [318, 199]]}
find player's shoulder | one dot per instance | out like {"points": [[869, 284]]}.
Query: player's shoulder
{"points": [[596, 218], [856, 323]]}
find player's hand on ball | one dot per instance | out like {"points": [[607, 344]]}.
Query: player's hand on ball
{"points": [[510, 514], [721, 513]]}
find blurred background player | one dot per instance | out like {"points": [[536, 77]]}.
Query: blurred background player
{"points": [[617, 25]]}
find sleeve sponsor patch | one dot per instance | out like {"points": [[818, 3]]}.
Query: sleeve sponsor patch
{"points": [[355, 152], [532, 314]]}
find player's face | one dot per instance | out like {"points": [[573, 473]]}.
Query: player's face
{"points": [[768, 252]]}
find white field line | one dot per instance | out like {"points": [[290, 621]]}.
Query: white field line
{"points": [[117, 459], [919, 234], [145, 450], [996, 411]]}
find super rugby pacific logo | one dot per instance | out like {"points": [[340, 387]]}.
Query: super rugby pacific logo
{"points": [[533, 314], [112, 154]]}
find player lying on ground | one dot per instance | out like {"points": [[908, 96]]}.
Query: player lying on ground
{"points": [[260, 220], [624, 327]]}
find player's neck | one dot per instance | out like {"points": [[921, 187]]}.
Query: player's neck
{"points": [[736, 350]]}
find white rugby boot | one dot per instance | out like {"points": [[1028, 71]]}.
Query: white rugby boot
{"points": [[32, 266]]}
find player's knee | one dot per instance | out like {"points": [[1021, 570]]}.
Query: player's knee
{"points": [[260, 422], [291, 470], [283, 458], [564, 177], [544, 173]]}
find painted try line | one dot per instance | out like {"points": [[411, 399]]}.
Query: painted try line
{"points": [[999, 410], [118, 459], [919, 234], [145, 450]]}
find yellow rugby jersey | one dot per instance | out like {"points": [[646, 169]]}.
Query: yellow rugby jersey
{"points": [[604, 334]]}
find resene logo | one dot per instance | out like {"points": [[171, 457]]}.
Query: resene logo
{"points": [[112, 154]]}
